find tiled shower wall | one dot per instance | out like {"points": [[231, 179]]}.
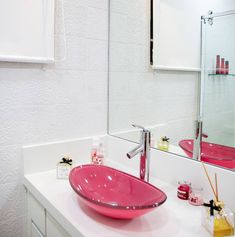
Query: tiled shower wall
{"points": [[44, 103]]}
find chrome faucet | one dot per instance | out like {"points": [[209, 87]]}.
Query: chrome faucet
{"points": [[197, 145], [144, 150]]}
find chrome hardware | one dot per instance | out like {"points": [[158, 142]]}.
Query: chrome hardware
{"points": [[197, 140], [210, 19], [144, 150]]}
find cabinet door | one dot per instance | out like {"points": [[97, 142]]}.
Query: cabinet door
{"points": [[35, 232], [36, 214], [53, 229]]}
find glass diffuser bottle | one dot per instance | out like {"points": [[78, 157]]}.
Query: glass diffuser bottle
{"points": [[217, 220]]}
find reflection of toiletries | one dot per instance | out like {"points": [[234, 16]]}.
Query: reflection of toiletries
{"points": [[183, 190], [217, 64], [163, 144], [195, 196], [226, 67], [222, 66]]}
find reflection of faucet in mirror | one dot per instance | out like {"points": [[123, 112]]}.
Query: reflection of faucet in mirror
{"points": [[198, 140], [144, 150]]}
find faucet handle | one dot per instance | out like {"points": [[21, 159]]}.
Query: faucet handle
{"points": [[140, 127]]}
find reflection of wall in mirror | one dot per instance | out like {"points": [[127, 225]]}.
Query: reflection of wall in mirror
{"points": [[165, 101], [137, 94]]}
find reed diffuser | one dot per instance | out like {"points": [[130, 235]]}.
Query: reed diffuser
{"points": [[217, 219]]}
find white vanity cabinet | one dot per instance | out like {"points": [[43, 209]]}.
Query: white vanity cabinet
{"points": [[40, 221]]}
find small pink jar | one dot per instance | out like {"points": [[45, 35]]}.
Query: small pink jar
{"points": [[183, 190], [195, 196]]}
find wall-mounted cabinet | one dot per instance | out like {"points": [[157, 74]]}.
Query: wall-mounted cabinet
{"points": [[27, 31]]}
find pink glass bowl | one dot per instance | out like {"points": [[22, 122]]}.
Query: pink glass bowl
{"points": [[114, 193], [212, 153]]}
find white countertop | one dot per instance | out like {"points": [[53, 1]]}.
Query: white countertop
{"points": [[175, 218]]}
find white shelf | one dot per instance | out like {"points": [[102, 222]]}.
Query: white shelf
{"points": [[25, 59], [173, 68]]}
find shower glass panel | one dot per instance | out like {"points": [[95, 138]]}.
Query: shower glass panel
{"points": [[218, 86]]}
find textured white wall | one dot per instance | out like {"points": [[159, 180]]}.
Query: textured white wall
{"points": [[52, 102], [165, 101]]}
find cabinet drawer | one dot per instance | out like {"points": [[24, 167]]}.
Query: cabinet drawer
{"points": [[53, 228], [36, 214], [35, 232]]}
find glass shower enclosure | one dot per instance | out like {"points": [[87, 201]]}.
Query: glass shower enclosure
{"points": [[217, 105]]}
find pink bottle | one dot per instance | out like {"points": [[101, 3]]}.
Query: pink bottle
{"points": [[217, 64], [222, 66], [227, 67]]}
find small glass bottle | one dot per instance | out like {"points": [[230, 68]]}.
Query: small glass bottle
{"points": [[163, 144], [63, 168]]}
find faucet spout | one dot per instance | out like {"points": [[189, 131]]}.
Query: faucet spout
{"points": [[135, 151], [144, 150]]}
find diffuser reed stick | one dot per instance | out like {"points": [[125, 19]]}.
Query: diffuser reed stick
{"points": [[216, 188], [210, 182]]}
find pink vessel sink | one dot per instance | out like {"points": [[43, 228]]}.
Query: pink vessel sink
{"points": [[114, 193], [212, 153]]}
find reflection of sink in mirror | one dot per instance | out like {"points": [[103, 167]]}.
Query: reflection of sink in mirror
{"points": [[158, 131], [212, 153], [114, 193]]}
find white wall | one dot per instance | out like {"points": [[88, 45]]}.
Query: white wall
{"points": [[165, 101], [52, 102]]}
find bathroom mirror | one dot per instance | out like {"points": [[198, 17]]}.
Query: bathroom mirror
{"points": [[165, 100], [27, 31]]}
